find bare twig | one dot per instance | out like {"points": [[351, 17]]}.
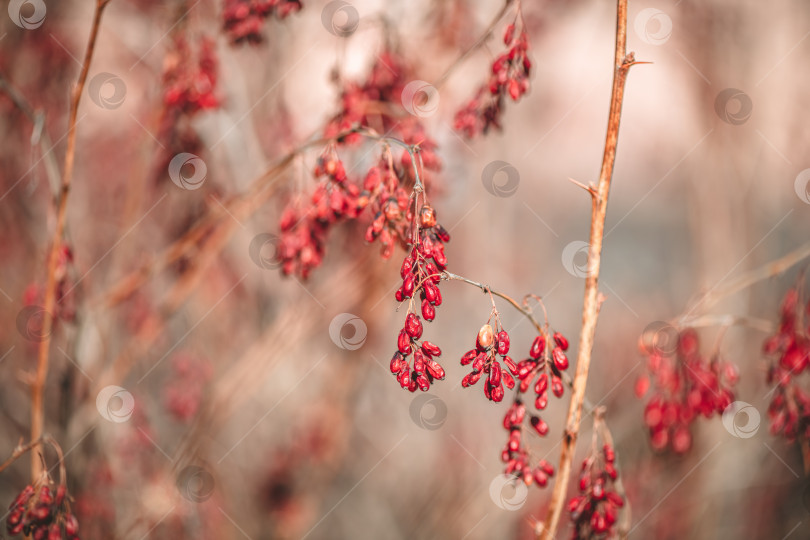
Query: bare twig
{"points": [[472, 48], [38, 384], [590, 308], [39, 133], [765, 271]]}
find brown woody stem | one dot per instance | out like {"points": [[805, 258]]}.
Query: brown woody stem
{"points": [[591, 303], [38, 384]]}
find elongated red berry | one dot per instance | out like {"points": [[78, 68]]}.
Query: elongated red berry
{"points": [[408, 285], [539, 425], [413, 326], [560, 360], [508, 380], [468, 357], [560, 340], [538, 346], [431, 291], [556, 386], [431, 349], [423, 382], [510, 365], [495, 374], [419, 361], [397, 362], [478, 363], [503, 342], [435, 369], [542, 384], [404, 343], [470, 379], [428, 311], [497, 393]]}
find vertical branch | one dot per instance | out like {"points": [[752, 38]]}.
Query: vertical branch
{"points": [[38, 383], [591, 304]]}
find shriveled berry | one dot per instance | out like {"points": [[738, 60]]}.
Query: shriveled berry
{"points": [[404, 343], [485, 338], [413, 326]]}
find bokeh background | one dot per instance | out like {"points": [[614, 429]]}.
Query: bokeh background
{"points": [[241, 394]]}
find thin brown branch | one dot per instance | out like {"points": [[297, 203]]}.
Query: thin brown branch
{"points": [[21, 449], [590, 307], [39, 133], [748, 279], [475, 46], [37, 386]]}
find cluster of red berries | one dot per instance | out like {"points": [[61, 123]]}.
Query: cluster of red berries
{"points": [[183, 393], [515, 455], [510, 75], [244, 19], [42, 515], [387, 185], [420, 276], [304, 230], [483, 359], [425, 368], [788, 352], [390, 202], [686, 385], [190, 76], [595, 511], [546, 363], [377, 103]]}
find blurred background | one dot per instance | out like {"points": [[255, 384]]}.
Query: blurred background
{"points": [[248, 417]]}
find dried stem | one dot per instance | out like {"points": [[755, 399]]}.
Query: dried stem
{"points": [[39, 133], [590, 308], [38, 384], [472, 48], [765, 271], [21, 449]]}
